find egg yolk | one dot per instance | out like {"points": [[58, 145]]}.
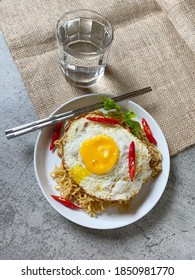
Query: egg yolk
{"points": [[78, 173], [99, 154]]}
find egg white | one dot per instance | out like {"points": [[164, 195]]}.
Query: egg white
{"points": [[116, 184]]}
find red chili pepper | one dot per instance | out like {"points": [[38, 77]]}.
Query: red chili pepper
{"points": [[148, 132], [65, 202], [56, 135], [103, 120], [132, 161]]}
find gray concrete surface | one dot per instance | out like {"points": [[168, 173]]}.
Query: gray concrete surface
{"points": [[31, 229]]}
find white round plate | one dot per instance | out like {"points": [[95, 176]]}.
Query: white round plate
{"points": [[44, 161]]}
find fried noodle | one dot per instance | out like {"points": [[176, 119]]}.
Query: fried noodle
{"points": [[92, 205]]}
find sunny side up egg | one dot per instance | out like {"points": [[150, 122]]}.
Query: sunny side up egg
{"points": [[96, 156]]}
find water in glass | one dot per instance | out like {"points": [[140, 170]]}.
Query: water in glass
{"points": [[84, 50]]}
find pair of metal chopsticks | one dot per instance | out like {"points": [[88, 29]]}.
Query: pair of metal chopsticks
{"points": [[30, 127]]}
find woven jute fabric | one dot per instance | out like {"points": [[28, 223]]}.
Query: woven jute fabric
{"points": [[154, 45]]}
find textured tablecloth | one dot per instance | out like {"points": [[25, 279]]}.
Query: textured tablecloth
{"points": [[154, 45]]}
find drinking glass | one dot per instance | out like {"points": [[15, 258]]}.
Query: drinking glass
{"points": [[84, 39]]}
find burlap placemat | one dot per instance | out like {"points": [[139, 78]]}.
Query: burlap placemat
{"points": [[154, 45]]}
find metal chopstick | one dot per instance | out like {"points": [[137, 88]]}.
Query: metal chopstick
{"points": [[33, 126]]}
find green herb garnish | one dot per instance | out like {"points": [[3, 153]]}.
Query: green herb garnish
{"points": [[114, 111], [109, 104]]}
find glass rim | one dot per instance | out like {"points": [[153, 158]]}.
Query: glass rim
{"points": [[72, 52]]}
